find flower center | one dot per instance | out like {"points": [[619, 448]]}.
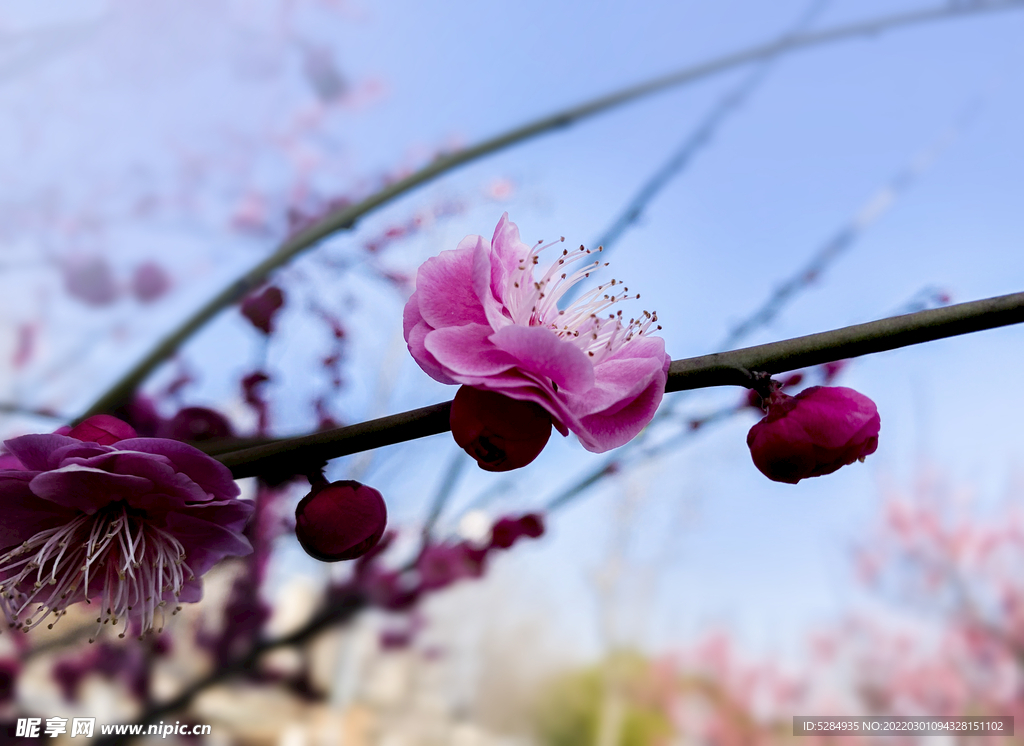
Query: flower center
{"points": [[114, 554], [534, 302]]}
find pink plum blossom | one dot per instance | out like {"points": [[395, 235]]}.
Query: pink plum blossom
{"points": [[814, 433], [130, 523], [484, 316]]}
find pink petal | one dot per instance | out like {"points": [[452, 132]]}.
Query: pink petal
{"points": [[540, 351], [415, 338], [484, 266], [204, 470], [41, 452], [629, 388], [625, 375], [620, 424], [444, 288], [87, 489], [205, 542], [25, 514], [508, 253], [103, 429], [157, 469], [465, 351]]}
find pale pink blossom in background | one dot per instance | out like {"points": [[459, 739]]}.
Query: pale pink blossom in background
{"points": [[150, 282], [90, 280]]}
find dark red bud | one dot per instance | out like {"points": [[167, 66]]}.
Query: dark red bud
{"points": [[261, 308], [340, 521], [197, 424], [103, 429], [814, 433], [507, 530], [499, 432]]}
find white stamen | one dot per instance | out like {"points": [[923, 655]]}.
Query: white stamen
{"points": [[135, 562], [533, 302]]}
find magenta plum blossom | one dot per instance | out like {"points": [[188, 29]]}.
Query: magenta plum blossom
{"points": [[130, 524], [484, 316], [816, 432]]}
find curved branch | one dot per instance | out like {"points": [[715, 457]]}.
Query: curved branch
{"points": [[733, 368], [346, 218]]}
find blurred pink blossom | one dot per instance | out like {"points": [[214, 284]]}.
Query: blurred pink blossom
{"points": [[90, 280], [150, 282]]}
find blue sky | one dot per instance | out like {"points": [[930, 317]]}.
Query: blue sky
{"points": [[135, 91]]}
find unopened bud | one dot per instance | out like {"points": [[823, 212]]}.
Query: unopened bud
{"points": [[499, 432], [340, 521]]}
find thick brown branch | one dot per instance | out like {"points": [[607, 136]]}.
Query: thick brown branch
{"points": [[297, 455]]}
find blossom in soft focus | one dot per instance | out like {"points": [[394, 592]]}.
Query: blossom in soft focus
{"points": [[507, 531], [813, 433], [340, 521], [483, 315], [440, 565], [261, 308], [499, 432], [90, 280], [131, 524], [150, 282]]}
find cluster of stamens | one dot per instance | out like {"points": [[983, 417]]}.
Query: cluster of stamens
{"points": [[114, 555], [534, 302]]}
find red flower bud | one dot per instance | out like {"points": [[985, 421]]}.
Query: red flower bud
{"points": [[507, 530], [813, 433], [499, 432], [340, 520], [196, 424], [103, 429]]}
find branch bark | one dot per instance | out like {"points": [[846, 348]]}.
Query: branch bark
{"points": [[733, 368]]}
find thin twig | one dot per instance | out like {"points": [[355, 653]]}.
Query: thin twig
{"points": [[346, 218], [730, 368], [695, 141]]}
